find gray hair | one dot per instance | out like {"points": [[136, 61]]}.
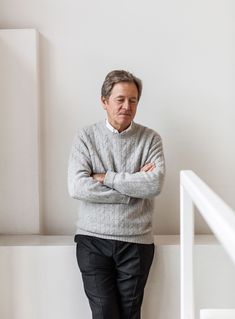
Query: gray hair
{"points": [[117, 76]]}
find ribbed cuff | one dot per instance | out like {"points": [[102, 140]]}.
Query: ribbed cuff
{"points": [[126, 199], [109, 179]]}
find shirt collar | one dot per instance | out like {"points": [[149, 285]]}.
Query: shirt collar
{"points": [[111, 128]]}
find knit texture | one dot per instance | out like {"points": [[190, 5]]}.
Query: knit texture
{"points": [[121, 208]]}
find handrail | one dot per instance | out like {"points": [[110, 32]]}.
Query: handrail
{"points": [[219, 217]]}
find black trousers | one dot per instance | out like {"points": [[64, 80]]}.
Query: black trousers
{"points": [[114, 275]]}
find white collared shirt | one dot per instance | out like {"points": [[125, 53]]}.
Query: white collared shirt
{"points": [[112, 129]]}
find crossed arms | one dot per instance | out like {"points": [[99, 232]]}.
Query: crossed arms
{"points": [[99, 177], [112, 187]]}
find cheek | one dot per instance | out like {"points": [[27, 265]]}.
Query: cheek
{"points": [[113, 111], [134, 110], [117, 109]]}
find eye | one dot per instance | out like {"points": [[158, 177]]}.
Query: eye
{"points": [[133, 101], [120, 100]]}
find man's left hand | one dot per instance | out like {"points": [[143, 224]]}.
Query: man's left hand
{"points": [[98, 177]]}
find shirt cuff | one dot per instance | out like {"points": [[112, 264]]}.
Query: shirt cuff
{"points": [[109, 179]]}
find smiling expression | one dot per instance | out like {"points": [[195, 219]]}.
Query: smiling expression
{"points": [[121, 105]]}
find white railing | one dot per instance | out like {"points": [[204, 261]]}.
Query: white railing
{"points": [[220, 218]]}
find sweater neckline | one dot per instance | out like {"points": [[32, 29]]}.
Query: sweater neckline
{"points": [[123, 134]]}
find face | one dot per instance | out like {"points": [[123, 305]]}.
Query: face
{"points": [[121, 105]]}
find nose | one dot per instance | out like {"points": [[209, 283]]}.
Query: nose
{"points": [[126, 104]]}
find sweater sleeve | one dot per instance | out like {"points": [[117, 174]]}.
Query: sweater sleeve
{"points": [[141, 184], [80, 183]]}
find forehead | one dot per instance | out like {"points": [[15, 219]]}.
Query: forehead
{"points": [[125, 88]]}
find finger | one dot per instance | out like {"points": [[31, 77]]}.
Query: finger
{"points": [[149, 164], [144, 169], [146, 166], [151, 168]]}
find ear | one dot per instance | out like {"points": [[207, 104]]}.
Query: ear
{"points": [[104, 102]]}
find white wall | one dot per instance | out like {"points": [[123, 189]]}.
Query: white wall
{"points": [[182, 50]]}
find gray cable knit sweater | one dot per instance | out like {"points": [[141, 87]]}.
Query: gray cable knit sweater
{"points": [[121, 208]]}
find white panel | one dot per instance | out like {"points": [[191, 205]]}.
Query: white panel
{"points": [[217, 314], [40, 279], [19, 189]]}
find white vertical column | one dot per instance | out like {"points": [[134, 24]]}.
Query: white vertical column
{"points": [[19, 138], [187, 245]]}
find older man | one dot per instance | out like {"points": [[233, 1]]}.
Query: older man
{"points": [[116, 167]]}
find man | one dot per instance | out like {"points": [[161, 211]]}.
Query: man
{"points": [[116, 168]]}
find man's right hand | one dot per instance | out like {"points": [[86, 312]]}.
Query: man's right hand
{"points": [[148, 167]]}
